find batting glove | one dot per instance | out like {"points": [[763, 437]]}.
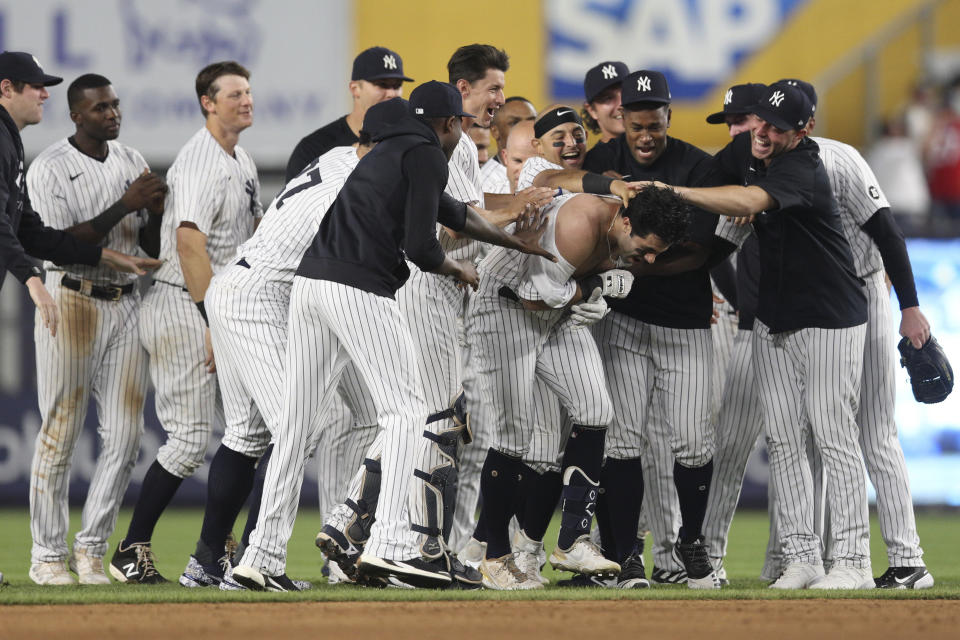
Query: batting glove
{"points": [[591, 310]]}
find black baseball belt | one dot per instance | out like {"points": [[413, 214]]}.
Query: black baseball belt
{"points": [[101, 292]]}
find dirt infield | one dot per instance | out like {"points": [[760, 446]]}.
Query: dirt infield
{"points": [[783, 620]]}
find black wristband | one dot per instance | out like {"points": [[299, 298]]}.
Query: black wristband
{"points": [[596, 183], [588, 284], [203, 312]]}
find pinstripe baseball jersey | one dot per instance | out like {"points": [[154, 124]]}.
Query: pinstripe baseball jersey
{"points": [[294, 216], [69, 187], [512, 268], [859, 196], [218, 193], [493, 177], [464, 185]]}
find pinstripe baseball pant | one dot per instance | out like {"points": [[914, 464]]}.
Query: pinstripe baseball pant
{"points": [[660, 381], [97, 350], [330, 325], [188, 398], [809, 387]]}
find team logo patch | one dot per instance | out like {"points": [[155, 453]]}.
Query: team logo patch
{"points": [[643, 83], [874, 192], [389, 62], [728, 98], [609, 71], [777, 98]]}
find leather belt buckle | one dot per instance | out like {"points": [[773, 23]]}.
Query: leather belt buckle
{"points": [[116, 293]]}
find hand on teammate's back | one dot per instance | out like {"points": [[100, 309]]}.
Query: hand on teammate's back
{"points": [[530, 227], [467, 274], [146, 192], [532, 196]]}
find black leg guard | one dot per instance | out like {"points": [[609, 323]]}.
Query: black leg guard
{"points": [[579, 501]]}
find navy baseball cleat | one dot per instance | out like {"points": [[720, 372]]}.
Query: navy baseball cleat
{"points": [[905, 578], [416, 572], [135, 565], [251, 579]]}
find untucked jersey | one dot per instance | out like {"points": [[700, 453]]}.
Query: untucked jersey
{"points": [[68, 187], [858, 195], [463, 184], [532, 277], [218, 193], [293, 218], [493, 178]]}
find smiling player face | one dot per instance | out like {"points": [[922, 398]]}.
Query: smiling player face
{"points": [[564, 145], [483, 97]]}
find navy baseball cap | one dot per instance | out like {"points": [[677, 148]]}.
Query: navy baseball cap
{"points": [[437, 100], [378, 63], [383, 114], [784, 106], [738, 100], [645, 86], [807, 89], [602, 77], [24, 67]]}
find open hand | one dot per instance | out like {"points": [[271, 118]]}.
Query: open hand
{"points": [[530, 227]]}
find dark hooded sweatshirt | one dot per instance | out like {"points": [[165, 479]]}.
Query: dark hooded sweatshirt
{"points": [[22, 232], [386, 214]]}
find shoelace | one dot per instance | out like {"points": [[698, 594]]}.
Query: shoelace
{"points": [[231, 546], [514, 570], [225, 563], [145, 560]]}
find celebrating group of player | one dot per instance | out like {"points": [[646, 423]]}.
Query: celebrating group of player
{"points": [[450, 337]]}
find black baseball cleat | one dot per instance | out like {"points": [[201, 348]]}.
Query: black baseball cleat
{"points": [[666, 576], [416, 572], [135, 565], [464, 576], [339, 549], [254, 580], [905, 578], [700, 572]]}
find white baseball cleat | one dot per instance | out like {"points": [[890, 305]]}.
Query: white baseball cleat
{"points": [[583, 557], [503, 574], [798, 575], [845, 578], [528, 553], [89, 568], [51, 574]]}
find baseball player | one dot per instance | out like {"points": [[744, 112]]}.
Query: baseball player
{"points": [[601, 111], [520, 332], [808, 336], [877, 246], [432, 303], [214, 204], [342, 308], [377, 75], [560, 150], [248, 304], [23, 90], [515, 109], [100, 191], [655, 344]]}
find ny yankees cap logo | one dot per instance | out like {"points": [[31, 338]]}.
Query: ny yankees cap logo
{"points": [[609, 71], [777, 98], [643, 83], [389, 62], [728, 98]]}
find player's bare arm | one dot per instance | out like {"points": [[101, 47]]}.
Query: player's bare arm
{"points": [[506, 209], [580, 181], [729, 200], [197, 273]]}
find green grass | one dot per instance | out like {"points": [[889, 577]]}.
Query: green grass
{"points": [[178, 529]]}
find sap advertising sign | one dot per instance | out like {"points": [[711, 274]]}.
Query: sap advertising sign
{"points": [[299, 54], [697, 44]]}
